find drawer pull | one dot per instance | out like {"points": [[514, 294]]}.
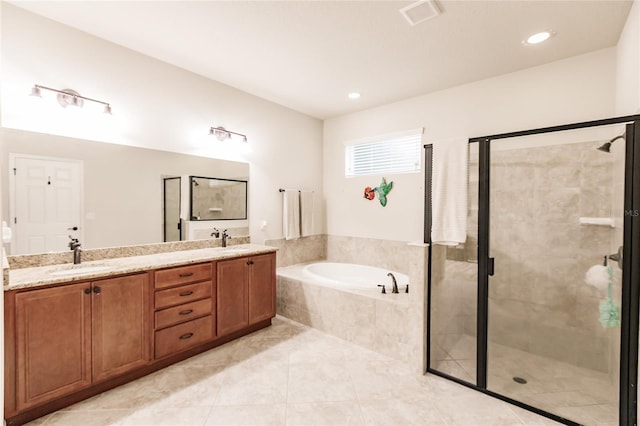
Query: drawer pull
{"points": [[186, 293], [187, 312], [185, 275], [186, 336]]}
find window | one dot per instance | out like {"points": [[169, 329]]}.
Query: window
{"points": [[395, 153]]}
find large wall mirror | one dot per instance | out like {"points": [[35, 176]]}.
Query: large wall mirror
{"points": [[119, 190]]}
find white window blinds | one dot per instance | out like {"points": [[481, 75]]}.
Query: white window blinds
{"points": [[396, 153]]}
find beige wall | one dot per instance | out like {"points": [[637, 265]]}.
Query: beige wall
{"points": [[156, 105], [575, 89], [628, 65]]}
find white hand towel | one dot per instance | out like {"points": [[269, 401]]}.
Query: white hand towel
{"points": [[291, 214], [306, 213], [449, 192]]}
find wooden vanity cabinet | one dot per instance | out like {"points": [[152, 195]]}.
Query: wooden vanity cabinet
{"points": [[120, 325], [71, 336], [262, 288], [245, 292], [52, 343], [184, 309], [70, 341]]}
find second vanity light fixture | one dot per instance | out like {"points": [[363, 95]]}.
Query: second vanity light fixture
{"points": [[223, 134], [68, 97]]}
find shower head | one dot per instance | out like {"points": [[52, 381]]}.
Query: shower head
{"points": [[606, 147]]}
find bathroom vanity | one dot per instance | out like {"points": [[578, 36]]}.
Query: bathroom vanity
{"points": [[73, 331]]}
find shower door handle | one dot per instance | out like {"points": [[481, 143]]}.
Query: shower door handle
{"points": [[617, 257], [490, 266]]}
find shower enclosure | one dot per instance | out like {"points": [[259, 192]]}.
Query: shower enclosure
{"points": [[540, 305]]}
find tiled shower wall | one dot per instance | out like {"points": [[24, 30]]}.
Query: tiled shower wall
{"points": [[539, 301]]}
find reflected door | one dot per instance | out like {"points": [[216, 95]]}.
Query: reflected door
{"points": [[172, 224], [47, 203], [556, 213]]}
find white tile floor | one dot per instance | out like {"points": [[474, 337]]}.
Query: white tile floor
{"points": [[289, 374], [585, 396]]}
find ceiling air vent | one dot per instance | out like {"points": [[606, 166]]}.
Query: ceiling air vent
{"points": [[420, 11]]}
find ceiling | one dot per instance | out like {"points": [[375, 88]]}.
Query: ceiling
{"points": [[308, 55]]}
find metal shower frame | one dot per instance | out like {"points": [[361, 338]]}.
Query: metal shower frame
{"points": [[630, 273]]}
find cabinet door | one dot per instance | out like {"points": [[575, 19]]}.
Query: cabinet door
{"points": [[53, 343], [231, 296], [120, 325], [262, 295]]}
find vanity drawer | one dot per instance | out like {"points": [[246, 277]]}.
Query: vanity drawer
{"points": [[183, 336], [181, 313], [183, 294], [182, 274]]}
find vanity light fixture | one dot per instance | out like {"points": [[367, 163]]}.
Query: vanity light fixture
{"points": [[223, 134], [68, 97]]}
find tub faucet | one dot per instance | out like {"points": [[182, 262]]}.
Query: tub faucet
{"points": [[75, 245], [395, 283], [225, 237]]}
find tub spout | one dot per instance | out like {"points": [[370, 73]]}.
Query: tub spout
{"points": [[395, 283]]}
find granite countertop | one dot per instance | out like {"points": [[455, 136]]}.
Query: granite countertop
{"points": [[54, 274]]}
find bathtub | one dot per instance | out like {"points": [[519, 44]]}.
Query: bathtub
{"points": [[344, 300], [353, 276]]}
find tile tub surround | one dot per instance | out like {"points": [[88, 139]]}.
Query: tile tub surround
{"points": [[301, 250], [290, 374], [386, 323], [40, 276], [393, 255], [44, 259], [399, 332]]}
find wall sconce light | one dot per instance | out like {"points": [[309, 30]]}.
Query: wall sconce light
{"points": [[223, 134], [68, 97]]}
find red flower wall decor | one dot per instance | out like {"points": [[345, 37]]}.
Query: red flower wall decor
{"points": [[381, 191]]}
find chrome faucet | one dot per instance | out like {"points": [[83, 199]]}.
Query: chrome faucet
{"points": [[395, 283], [225, 237], [75, 245]]}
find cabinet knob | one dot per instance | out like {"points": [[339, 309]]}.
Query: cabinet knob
{"points": [[186, 336], [97, 290], [249, 262], [185, 312], [87, 291], [186, 293]]}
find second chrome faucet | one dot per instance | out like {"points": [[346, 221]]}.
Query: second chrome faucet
{"points": [[225, 236]]}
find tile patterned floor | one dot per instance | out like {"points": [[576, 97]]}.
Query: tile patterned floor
{"points": [[289, 374], [585, 396]]}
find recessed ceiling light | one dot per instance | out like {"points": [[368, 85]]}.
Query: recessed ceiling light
{"points": [[538, 37], [354, 95]]}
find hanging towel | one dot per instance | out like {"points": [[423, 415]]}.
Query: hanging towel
{"points": [[449, 192], [291, 214], [306, 213]]}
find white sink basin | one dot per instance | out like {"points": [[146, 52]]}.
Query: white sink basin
{"points": [[80, 270]]}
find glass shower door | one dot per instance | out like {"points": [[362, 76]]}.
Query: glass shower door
{"points": [[556, 210]]}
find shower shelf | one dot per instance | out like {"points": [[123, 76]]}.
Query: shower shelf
{"points": [[598, 221]]}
